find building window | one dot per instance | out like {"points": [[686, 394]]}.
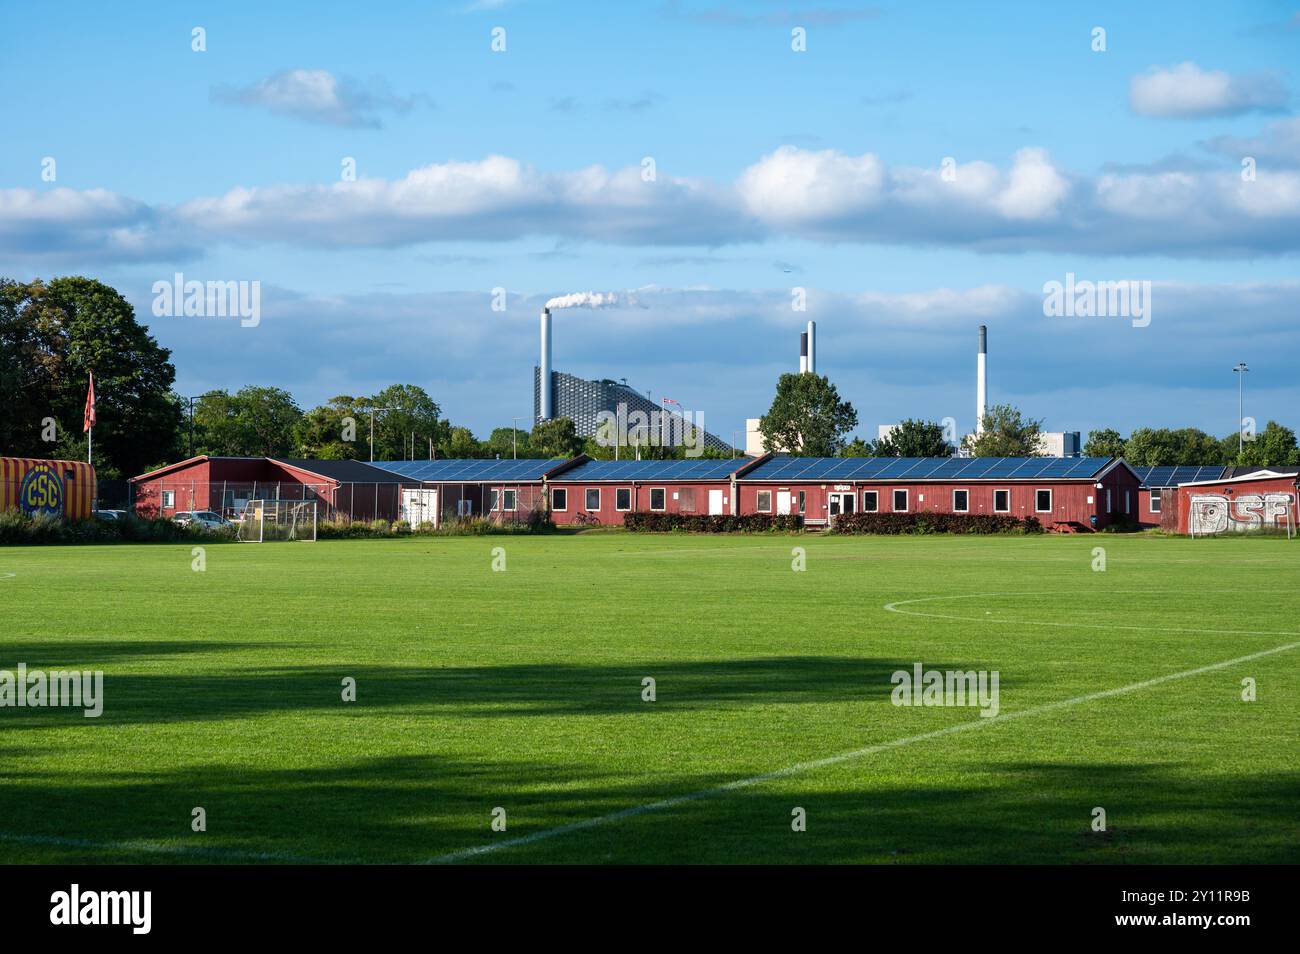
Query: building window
{"points": [[870, 501], [560, 499], [494, 499], [1001, 501], [765, 501], [623, 498], [657, 499], [961, 501], [685, 500], [1128, 501], [510, 499], [803, 501], [168, 499], [1042, 501], [1109, 507], [1154, 506], [464, 508], [900, 501], [593, 498]]}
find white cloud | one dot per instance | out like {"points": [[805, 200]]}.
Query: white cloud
{"points": [[1279, 144], [319, 96], [893, 354], [1187, 91], [1032, 205]]}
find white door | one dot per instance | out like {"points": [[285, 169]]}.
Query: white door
{"points": [[419, 506], [715, 502], [783, 501]]}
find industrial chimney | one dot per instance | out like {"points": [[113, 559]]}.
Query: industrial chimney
{"points": [[544, 377], [981, 383], [812, 347], [803, 352]]}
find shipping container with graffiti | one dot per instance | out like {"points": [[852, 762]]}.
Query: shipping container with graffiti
{"points": [[62, 488]]}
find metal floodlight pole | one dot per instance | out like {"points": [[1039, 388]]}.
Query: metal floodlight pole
{"points": [[1240, 370], [514, 436]]}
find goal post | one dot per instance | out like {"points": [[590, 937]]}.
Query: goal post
{"points": [[265, 520]]}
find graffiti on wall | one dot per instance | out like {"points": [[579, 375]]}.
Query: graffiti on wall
{"points": [[1217, 513]]}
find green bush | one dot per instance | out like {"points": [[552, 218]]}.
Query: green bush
{"points": [[922, 523], [462, 527], [645, 522], [19, 529]]}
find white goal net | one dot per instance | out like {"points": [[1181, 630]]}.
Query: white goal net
{"points": [[264, 520]]}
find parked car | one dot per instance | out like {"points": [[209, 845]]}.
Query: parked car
{"points": [[111, 514], [204, 518]]}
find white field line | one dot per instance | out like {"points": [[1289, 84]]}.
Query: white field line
{"points": [[159, 848], [893, 608], [801, 767]]}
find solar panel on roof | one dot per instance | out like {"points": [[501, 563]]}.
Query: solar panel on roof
{"points": [[902, 469], [470, 470]]}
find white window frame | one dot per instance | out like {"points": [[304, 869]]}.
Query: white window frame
{"points": [[1110, 508], [803, 500], [893, 499], [1156, 500], [956, 491], [1001, 490], [875, 507], [630, 499], [586, 499], [509, 499], [758, 501], [494, 499], [560, 490], [662, 490], [1051, 499], [168, 499]]}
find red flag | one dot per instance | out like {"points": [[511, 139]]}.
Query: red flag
{"points": [[669, 400], [89, 420]]}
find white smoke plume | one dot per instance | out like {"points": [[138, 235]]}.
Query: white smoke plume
{"points": [[591, 300]]}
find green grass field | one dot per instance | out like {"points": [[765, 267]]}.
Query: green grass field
{"points": [[523, 690]]}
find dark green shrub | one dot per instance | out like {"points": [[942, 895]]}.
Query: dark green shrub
{"points": [[646, 522], [923, 523]]}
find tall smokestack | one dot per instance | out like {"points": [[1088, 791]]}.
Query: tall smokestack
{"points": [[803, 352], [544, 378], [812, 347], [981, 382]]}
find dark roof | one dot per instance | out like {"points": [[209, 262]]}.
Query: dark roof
{"points": [[345, 471], [794, 469], [197, 459], [1245, 471], [470, 471], [666, 470], [1184, 474]]}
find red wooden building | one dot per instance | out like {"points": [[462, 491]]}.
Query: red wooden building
{"points": [[604, 491], [342, 489], [1250, 500], [1063, 493]]}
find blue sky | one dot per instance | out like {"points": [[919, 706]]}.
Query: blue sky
{"points": [[773, 168]]}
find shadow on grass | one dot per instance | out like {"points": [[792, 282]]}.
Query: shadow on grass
{"points": [[414, 808], [543, 689]]}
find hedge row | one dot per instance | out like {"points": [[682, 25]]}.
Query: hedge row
{"points": [[536, 522], [19, 529], [896, 523], [711, 523]]}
